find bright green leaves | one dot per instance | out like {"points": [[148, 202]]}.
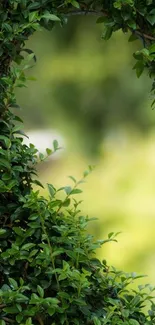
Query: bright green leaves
{"points": [[48, 259], [49, 151], [52, 190], [74, 3], [96, 321], [122, 3], [33, 16], [13, 284], [2, 231], [40, 291], [2, 322], [47, 15]]}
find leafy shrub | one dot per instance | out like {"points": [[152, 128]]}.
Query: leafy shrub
{"points": [[48, 270]]}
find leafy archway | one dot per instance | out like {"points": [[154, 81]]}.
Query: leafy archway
{"points": [[48, 273]]}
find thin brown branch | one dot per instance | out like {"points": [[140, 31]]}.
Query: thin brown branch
{"points": [[40, 320], [104, 14], [149, 37], [86, 13], [8, 320], [2, 306]]}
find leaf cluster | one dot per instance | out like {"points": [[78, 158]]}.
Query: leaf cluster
{"points": [[19, 19], [49, 273]]}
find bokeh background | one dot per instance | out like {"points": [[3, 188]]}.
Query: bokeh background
{"points": [[87, 96]]}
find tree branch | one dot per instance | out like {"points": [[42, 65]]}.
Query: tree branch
{"points": [[104, 14], [2, 306], [149, 37], [86, 13], [40, 320], [8, 320]]}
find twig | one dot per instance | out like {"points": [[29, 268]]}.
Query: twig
{"points": [[104, 14], [2, 306], [8, 320], [87, 13], [145, 35], [40, 320]]}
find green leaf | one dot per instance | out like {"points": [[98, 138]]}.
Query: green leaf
{"points": [[125, 313], [2, 322], [33, 16], [100, 20], [132, 38], [12, 184], [110, 235], [34, 5], [27, 247], [38, 183], [49, 151], [21, 298], [73, 179], [29, 321], [139, 67], [107, 33], [18, 231], [62, 276], [151, 19], [34, 216], [41, 156], [152, 49], [55, 145], [51, 311], [6, 140], [52, 301], [34, 299], [13, 283], [75, 4], [76, 191], [133, 322], [40, 291], [66, 203], [132, 24], [4, 163], [58, 252], [19, 318], [96, 321], [50, 16], [67, 189], [2, 231], [7, 27], [51, 190]]}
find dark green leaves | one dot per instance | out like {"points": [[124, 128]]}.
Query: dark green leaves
{"points": [[107, 33], [151, 17], [139, 67]]}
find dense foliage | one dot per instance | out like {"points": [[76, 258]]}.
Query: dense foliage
{"points": [[20, 19], [48, 272]]}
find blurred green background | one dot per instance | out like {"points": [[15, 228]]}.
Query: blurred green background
{"points": [[87, 94]]}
